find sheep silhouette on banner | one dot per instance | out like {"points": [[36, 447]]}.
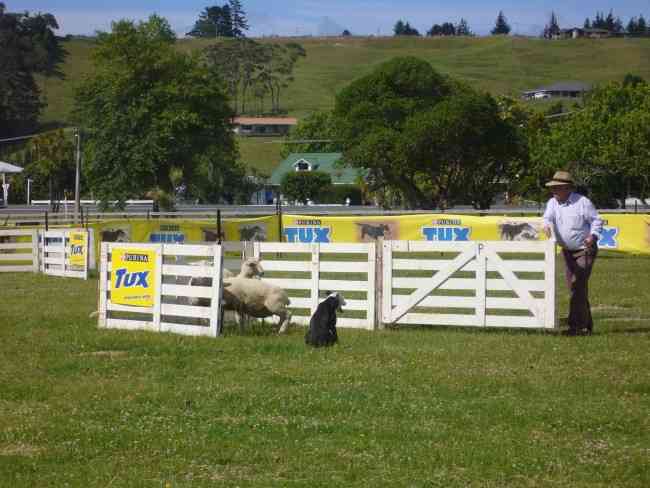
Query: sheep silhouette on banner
{"points": [[322, 326]]}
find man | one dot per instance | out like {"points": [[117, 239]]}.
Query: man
{"points": [[574, 221]]}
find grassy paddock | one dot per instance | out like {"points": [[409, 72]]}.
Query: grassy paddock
{"points": [[409, 407]]}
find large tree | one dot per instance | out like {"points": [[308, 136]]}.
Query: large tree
{"points": [[52, 163], [239, 21], [427, 139], [314, 133], [302, 186], [552, 29], [228, 20], [501, 26], [250, 67], [28, 46], [606, 144], [150, 110]]}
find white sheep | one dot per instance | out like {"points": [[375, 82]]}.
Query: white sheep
{"points": [[257, 299], [250, 269]]}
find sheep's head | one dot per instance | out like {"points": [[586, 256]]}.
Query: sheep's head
{"points": [[251, 267], [340, 300]]}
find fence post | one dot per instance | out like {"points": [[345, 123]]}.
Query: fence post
{"points": [[216, 307], [379, 283], [157, 299], [248, 250], [218, 226], [481, 284], [35, 252], [315, 276], [386, 271], [549, 285], [103, 284]]}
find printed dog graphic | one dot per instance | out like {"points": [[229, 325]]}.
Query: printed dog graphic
{"points": [[518, 231], [252, 233], [211, 235], [115, 235], [374, 231]]}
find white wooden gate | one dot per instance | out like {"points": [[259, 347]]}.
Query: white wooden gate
{"points": [[57, 251], [474, 283], [301, 270], [19, 251], [173, 309]]}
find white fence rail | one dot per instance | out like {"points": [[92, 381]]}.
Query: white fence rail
{"points": [[172, 309], [57, 253], [309, 271], [19, 251], [480, 284]]}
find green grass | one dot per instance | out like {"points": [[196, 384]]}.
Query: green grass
{"points": [[262, 153], [80, 406], [500, 65]]}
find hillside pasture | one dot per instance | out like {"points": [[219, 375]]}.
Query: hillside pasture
{"points": [[414, 406], [499, 65]]}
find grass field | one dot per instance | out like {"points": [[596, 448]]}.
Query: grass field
{"points": [[500, 65], [84, 407]]}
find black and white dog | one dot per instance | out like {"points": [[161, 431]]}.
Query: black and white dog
{"points": [[322, 326]]}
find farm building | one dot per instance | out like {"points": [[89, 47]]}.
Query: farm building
{"points": [[565, 89], [263, 126], [325, 162], [579, 32]]}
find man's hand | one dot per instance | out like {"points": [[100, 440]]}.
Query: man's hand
{"points": [[589, 241], [547, 231]]}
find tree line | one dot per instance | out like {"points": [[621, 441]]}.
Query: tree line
{"points": [[422, 140], [28, 47], [636, 26], [227, 20], [462, 28], [254, 70]]}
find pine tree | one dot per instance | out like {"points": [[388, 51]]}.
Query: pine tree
{"points": [[618, 25], [238, 18], [552, 29], [462, 29], [642, 27], [632, 26], [501, 25], [610, 22], [398, 29], [587, 24]]}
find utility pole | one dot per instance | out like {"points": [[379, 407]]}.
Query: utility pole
{"points": [[77, 175]]}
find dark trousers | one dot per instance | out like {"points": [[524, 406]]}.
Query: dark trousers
{"points": [[578, 265]]}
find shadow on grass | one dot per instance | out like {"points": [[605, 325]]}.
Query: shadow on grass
{"points": [[634, 330], [473, 330], [252, 328]]}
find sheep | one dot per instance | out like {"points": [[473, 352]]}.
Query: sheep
{"points": [[250, 269], [258, 299], [322, 326]]}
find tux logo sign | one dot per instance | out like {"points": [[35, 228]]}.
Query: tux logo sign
{"points": [[133, 276], [78, 249], [446, 230], [308, 231]]}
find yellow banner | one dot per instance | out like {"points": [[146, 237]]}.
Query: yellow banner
{"points": [[133, 276], [79, 249], [621, 232]]}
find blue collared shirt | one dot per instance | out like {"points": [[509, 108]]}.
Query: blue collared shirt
{"points": [[573, 221]]}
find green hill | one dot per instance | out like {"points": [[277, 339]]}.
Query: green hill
{"points": [[500, 65]]}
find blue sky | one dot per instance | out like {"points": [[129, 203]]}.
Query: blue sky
{"points": [[312, 17]]}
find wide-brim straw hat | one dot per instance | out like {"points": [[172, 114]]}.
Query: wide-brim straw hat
{"points": [[561, 178]]}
